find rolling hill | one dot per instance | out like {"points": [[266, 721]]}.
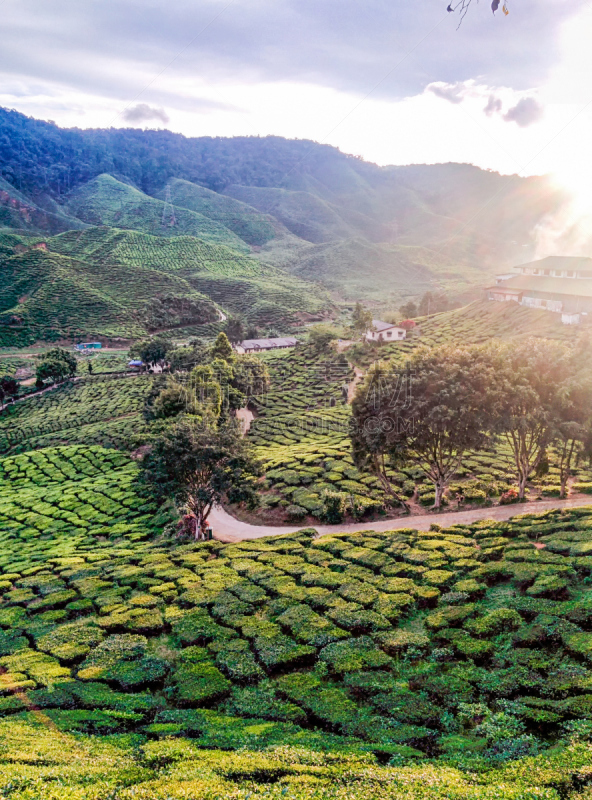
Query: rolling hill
{"points": [[107, 201], [246, 222], [359, 228], [20, 213], [104, 282]]}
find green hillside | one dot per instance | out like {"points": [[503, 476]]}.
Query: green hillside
{"points": [[48, 296], [107, 201], [264, 295], [302, 213], [245, 221], [358, 268], [20, 213], [112, 283]]}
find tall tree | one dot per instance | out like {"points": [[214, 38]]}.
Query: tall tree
{"points": [[431, 415], [56, 365], [199, 468], [573, 411], [222, 348], [235, 330], [361, 320], [152, 351], [529, 382]]}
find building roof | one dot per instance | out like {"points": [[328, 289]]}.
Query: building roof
{"points": [[378, 325], [553, 286], [573, 263], [268, 344]]}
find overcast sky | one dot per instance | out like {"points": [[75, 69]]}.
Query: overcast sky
{"points": [[391, 80]]}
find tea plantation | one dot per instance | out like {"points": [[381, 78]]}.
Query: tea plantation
{"points": [[447, 664], [113, 283], [302, 437], [95, 410]]}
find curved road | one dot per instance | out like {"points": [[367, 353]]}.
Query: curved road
{"points": [[229, 529]]}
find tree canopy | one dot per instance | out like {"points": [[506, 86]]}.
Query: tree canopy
{"points": [[199, 467], [56, 365]]}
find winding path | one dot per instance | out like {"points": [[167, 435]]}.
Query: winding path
{"points": [[229, 529]]}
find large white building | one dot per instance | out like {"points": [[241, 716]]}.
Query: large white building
{"points": [[562, 284]]}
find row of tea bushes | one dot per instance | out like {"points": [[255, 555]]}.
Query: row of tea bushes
{"points": [[47, 764], [470, 645], [301, 436], [105, 404]]}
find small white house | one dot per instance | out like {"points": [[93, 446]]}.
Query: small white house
{"points": [[385, 332]]}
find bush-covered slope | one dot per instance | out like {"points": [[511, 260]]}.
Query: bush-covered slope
{"points": [[102, 409], [465, 649], [245, 221], [44, 295], [107, 201], [21, 213], [112, 283], [304, 214]]}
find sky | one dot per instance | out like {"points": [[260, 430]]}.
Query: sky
{"points": [[394, 81]]}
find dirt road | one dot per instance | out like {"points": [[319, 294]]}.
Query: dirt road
{"points": [[228, 529]]}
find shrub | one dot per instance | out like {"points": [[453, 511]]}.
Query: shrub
{"points": [[499, 621]]}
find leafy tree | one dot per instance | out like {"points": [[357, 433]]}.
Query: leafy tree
{"points": [[361, 320], [56, 365], [573, 412], [199, 467], [182, 359], [222, 348], [173, 400], [432, 303], [531, 404], [206, 390], [9, 387], [251, 376], [321, 336], [235, 330], [409, 310], [432, 415], [152, 351]]}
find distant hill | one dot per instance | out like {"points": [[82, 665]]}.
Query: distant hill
{"points": [[18, 212], [375, 229], [243, 220], [104, 282], [107, 201]]}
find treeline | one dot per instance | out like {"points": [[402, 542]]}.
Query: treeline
{"points": [[450, 402], [38, 157]]}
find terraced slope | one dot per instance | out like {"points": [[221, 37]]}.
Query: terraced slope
{"points": [[19, 212], [107, 201], [99, 410], [264, 295], [248, 223], [112, 283], [460, 653], [45, 295], [302, 432]]}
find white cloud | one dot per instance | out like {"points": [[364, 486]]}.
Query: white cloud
{"points": [[494, 106], [453, 92], [526, 112]]}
